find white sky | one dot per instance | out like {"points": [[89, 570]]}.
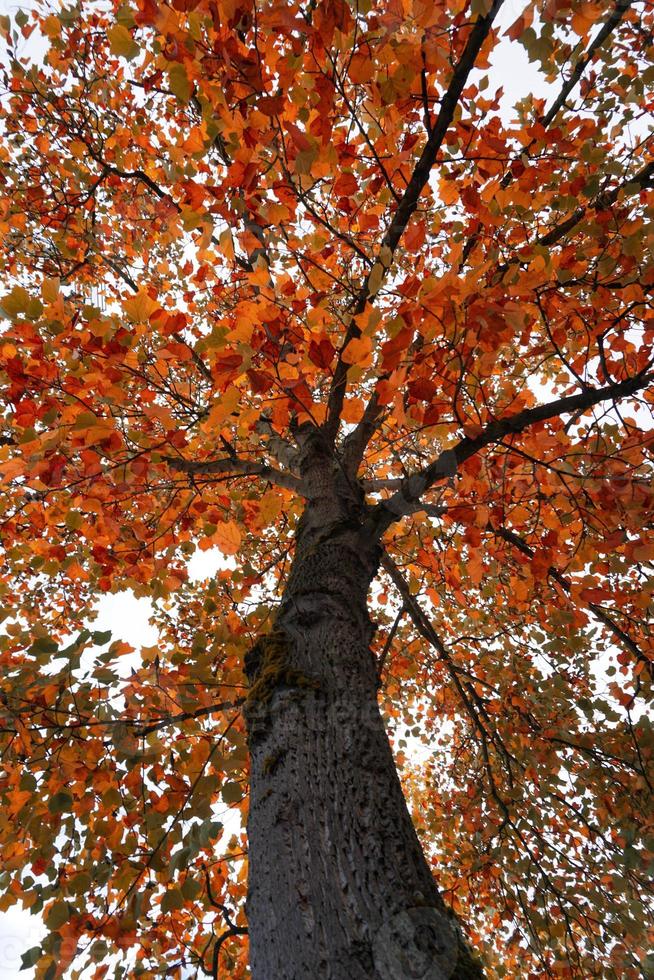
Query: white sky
{"points": [[126, 616]]}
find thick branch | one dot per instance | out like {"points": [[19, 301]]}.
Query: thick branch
{"points": [[237, 467], [449, 102], [279, 448], [355, 444], [446, 465], [409, 201], [383, 483]]}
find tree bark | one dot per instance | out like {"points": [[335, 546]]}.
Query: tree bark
{"points": [[338, 885]]}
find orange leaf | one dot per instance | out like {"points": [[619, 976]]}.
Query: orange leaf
{"points": [[228, 537], [358, 351]]}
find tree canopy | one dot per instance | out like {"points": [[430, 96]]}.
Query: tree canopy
{"points": [[226, 224]]}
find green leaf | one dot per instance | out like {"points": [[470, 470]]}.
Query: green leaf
{"points": [[81, 883], [121, 42], [61, 802], [43, 645], [173, 899], [180, 859], [232, 793], [74, 520], [209, 830], [34, 309], [101, 637], [28, 782], [191, 888], [375, 278], [58, 914], [15, 303], [31, 957], [179, 83], [385, 256], [68, 15], [125, 15], [304, 160]]}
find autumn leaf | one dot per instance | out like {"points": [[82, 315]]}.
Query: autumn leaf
{"points": [[179, 82], [358, 351], [345, 185], [309, 323], [376, 278], [140, 307], [228, 537], [121, 42]]}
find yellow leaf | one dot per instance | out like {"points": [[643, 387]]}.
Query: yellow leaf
{"points": [[260, 276], [51, 26], [270, 506], [375, 278], [140, 307], [191, 219], [228, 538], [448, 191], [149, 653], [195, 141], [385, 256], [227, 244], [16, 302], [352, 410], [78, 149], [242, 332], [10, 469]]}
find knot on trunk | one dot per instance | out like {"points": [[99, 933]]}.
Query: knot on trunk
{"points": [[268, 668]]}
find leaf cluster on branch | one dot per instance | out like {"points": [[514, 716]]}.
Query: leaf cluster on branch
{"points": [[228, 227]]}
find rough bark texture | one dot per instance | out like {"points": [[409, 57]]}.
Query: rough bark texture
{"points": [[339, 887]]}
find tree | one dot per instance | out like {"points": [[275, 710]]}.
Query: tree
{"points": [[282, 280]]}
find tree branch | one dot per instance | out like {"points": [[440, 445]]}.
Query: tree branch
{"points": [[231, 931], [610, 24], [355, 443], [607, 28], [237, 467], [154, 725], [405, 499], [566, 585], [423, 624], [389, 643], [639, 181], [408, 204], [383, 483]]}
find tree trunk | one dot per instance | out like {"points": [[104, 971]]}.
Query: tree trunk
{"points": [[338, 885]]}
